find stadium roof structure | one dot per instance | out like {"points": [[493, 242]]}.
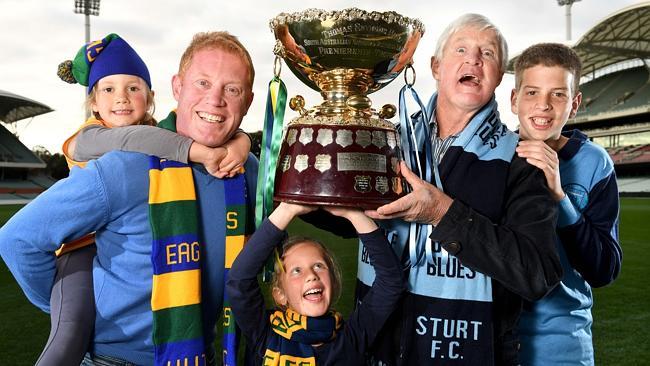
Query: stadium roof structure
{"points": [[13, 154], [14, 107], [623, 35]]}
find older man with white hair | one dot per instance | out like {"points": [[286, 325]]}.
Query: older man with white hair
{"points": [[477, 236]]}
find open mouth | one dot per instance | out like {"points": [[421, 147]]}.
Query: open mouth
{"points": [[314, 294], [469, 80], [122, 112], [210, 118], [541, 122]]}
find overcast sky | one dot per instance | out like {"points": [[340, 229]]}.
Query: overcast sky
{"points": [[36, 35]]}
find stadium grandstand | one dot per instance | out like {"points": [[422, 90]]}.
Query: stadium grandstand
{"points": [[22, 173], [615, 85]]}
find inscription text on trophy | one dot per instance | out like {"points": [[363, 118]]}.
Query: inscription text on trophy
{"points": [[361, 162]]}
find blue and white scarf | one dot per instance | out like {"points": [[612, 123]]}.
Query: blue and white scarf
{"points": [[448, 311]]}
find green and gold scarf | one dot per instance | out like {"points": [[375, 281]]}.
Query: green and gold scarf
{"points": [[176, 258], [294, 336]]}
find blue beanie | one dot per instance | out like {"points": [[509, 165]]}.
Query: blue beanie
{"points": [[110, 55]]}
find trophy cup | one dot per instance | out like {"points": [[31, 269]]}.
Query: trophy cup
{"points": [[342, 152]]}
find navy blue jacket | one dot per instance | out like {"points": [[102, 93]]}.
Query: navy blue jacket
{"points": [[358, 332]]}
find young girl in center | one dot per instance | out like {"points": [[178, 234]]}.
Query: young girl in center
{"points": [[119, 95], [303, 329]]}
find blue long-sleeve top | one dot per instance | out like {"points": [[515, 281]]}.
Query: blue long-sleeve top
{"points": [[110, 197], [588, 214], [358, 332], [557, 329]]}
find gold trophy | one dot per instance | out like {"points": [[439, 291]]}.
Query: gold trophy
{"points": [[342, 152]]}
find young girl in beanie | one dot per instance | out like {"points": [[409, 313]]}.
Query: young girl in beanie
{"points": [[119, 95], [304, 330], [110, 62]]}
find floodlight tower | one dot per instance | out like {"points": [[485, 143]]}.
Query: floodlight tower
{"points": [[88, 8], [567, 4]]}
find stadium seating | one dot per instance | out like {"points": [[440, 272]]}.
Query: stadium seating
{"points": [[20, 191], [21, 171], [617, 91], [630, 154], [636, 185], [13, 151]]}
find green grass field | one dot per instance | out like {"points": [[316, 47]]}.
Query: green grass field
{"points": [[622, 309], [621, 312]]}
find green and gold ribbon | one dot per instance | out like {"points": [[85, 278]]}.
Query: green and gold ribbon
{"points": [[276, 103]]}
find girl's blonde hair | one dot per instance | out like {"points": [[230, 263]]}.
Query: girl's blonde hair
{"points": [[148, 117], [330, 262]]}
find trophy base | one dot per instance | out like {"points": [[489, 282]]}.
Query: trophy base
{"points": [[352, 165], [364, 204]]}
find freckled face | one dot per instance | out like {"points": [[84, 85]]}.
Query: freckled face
{"points": [[544, 102], [120, 100], [306, 283]]}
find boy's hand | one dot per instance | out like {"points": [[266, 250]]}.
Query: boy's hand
{"points": [[362, 223], [539, 154], [238, 148]]}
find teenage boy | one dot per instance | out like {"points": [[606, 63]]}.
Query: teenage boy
{"points": [[580, 175]]}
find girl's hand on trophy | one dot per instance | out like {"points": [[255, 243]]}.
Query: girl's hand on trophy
{"points": [[296, 208], [285, 212], [362, 223], [340, 211]]}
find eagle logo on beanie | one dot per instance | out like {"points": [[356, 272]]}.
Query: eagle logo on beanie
{"points": [[94, 48]]}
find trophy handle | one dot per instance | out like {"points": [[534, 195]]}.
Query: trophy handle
{"points": [[297, 104], [387, 111]]}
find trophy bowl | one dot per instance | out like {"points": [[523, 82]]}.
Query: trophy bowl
{"points": [[342, 152]]}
